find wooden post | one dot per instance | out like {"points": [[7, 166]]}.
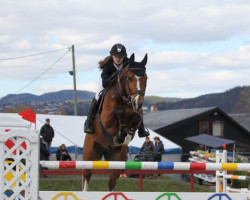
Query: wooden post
{"points": [[74, 79], [140, 182]]}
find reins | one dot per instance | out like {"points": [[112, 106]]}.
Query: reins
{"points": [[128, 99]]}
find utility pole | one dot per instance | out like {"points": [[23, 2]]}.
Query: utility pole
{"points": [[74, 79]]}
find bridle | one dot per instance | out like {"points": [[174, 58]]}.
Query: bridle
{"points": [[129, 99]]}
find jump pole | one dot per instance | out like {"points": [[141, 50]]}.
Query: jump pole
{"points": [[235, 177], [131, 165]]}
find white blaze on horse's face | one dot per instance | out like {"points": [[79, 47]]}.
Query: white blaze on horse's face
{"points": [[138, 88]]}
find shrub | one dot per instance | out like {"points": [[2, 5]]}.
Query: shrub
{"points": [[240, 183]]}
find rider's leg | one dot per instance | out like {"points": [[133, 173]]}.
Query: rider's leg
{"points": [[88, 127]]}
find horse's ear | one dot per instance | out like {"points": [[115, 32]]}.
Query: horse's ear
{"points": [[144, 60], [132, 59]]}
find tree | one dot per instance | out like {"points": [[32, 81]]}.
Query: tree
{"points": [[243, 105], [240, 183]]}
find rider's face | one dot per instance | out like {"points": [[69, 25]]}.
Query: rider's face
{"points": [[117, 60]]}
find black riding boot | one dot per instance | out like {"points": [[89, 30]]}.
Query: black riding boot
{"points": [[142, 131], [88, 127]]}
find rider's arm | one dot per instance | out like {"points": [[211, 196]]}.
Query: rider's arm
{"points": [[42, 131], [141, 149], [106, 73], [162, 149]]}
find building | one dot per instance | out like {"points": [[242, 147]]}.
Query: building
{"points": [[243, 119], [176, 125]]}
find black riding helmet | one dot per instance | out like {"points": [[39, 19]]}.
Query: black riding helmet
{"points": [[118, 50]]}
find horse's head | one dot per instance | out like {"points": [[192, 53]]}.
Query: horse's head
{"points": [[135, 82]]}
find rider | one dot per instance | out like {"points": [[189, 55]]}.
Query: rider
{"points": [[109, 65]]}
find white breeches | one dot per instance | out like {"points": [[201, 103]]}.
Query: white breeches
{"points": [[99, 89]]}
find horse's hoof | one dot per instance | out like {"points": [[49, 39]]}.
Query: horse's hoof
{"points": [[143, 134]]}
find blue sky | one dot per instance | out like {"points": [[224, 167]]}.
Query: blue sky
{"points": [[194, 47]]}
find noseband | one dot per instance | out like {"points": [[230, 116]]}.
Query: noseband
{"points": [[129, 99]]}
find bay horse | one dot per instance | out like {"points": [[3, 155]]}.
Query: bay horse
{"points": [[118, 117]]}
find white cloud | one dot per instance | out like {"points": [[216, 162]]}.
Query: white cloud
{"points": [[186, 83], [28, 26], [201, 60]]}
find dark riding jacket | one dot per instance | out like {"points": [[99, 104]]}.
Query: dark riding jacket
{"points": [[44, 154], [61, 156], [47, 132], [149, 150], [108, 70]]}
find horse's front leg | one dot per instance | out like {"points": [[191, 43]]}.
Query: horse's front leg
{"points": [[120, 113], [116, 155]]}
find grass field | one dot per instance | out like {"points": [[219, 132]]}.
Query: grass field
{"points": [[100, 183]]}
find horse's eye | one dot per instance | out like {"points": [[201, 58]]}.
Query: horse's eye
{"points": [[130, 79]]}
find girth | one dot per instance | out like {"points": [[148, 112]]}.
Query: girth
{"points": [[107, 135]]}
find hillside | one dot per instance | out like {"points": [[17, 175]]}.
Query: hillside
{"points": [[236, 100], [156, 99], [63, 95]]}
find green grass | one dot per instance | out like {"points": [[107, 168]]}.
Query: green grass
{"points": [[100, 183]]}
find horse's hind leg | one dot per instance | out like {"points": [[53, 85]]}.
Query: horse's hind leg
{"points": [[87, 176], [91, 151], [119, 154]]}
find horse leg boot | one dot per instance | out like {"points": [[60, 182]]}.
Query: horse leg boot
{"points": [[135, 121], [142, 131], [88, 127], [120, 112]]}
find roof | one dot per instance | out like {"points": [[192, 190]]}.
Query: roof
{"points": [[13, 122], [209, 140], [159, 119], [243, 119]]}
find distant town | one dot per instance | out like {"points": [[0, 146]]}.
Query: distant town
{"points": [[58, 108]]}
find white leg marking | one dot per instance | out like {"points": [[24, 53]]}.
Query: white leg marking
{"points": [[128, 139], [85, 188]]}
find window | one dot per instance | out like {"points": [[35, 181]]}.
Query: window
{"points": [[204, 127], [218, 128]]}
